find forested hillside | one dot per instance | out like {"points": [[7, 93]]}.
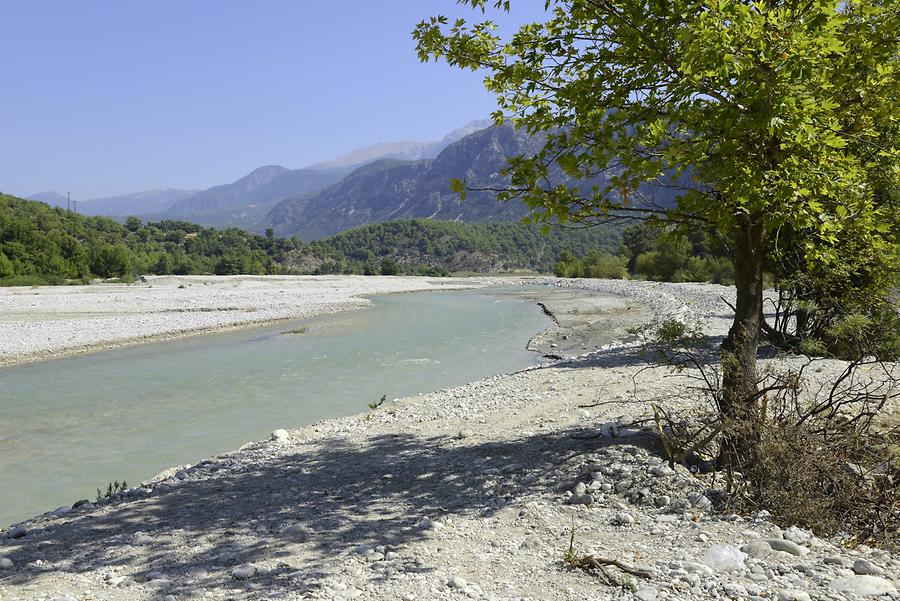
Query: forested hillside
{"points": [[40, 244], [455, 247]]}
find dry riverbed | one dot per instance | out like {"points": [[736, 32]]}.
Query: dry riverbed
{"points": [[471, 492]]}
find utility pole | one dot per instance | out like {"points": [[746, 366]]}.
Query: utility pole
{"points": [[68, 201]]}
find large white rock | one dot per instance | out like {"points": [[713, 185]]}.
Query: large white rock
{"points": [[864, 586]]}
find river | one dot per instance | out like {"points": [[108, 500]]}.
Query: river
{"points": [[72, 425]]}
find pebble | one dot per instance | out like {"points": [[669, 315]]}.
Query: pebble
{"points": [[757, 548], [465, 433], [17, 532], [585, 499], [532, 542], [724, 558], [735, 590], [786, 546], [865, 567], [6, 563], [646, 593], [243, 572], [429, 524], [797, 535], [280, 435], [699, 501], [793, 595], [624, 518], [141, 538], [457, 582]]}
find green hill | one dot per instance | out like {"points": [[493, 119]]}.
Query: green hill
{"points": [[458, 247], [44, 245], [40, 244]]}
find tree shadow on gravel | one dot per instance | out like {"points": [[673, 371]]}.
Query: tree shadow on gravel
{"points": [[300, 509], [707, 349]]}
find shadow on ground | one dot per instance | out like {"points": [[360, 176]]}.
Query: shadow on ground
{"points": [[300, 509]]}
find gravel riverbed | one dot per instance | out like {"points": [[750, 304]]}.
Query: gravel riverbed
{"points": [[472, 492], [49, 322]]}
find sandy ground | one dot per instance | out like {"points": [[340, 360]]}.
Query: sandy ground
{"points": [[472, 492], [48, 322]]}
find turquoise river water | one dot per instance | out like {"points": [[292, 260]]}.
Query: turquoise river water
{"points": [[71, 425]]}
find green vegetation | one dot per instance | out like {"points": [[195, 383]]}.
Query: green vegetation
{"points": [[776, 121], [648, 254], [112, 489], [44, 245], [426, 247], [376, 404]]}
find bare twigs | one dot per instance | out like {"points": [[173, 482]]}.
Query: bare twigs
{"points": [[598, 565]]}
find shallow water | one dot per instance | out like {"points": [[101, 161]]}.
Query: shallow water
{"points": [[69, 426]]}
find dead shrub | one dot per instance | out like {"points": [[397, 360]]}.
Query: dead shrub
{"points": [[830, 478], [826, 456]]}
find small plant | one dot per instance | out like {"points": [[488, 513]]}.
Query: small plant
{"points": [[376, 404], [113, 488]]}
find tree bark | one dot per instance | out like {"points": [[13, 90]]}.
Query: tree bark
{"points": [[739, 405]]}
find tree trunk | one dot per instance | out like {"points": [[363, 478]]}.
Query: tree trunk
{"points": [[739, 404]]}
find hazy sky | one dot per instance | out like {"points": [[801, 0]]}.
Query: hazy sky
{"points": [[104, 97]]}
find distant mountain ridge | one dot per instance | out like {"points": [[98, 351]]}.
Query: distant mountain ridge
{"points": [[246, 202], [403, 151], [54, 199], [138, 203], [389, 189], [333, 196]]}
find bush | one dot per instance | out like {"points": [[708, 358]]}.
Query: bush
{"points": [[6, 267], [595, 264], [825, 456], [828, 478], [389, 266]]}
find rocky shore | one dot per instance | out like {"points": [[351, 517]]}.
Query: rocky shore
{"points": [[474, 492]]}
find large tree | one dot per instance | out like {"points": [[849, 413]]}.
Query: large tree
{"points": [[764, 116]]}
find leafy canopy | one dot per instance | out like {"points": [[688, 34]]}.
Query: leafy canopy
{"points": [[766, 112]]}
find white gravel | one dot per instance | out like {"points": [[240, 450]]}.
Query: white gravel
{"points": [[52, 321], [469, 493]]}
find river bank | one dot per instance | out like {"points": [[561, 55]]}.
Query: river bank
{"points": [[471, 492], [56, 321], [72, 424]]}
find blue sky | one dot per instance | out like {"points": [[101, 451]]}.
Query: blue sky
{"points": [[104, 97]]}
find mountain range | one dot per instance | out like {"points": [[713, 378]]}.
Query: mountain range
{"points": [[390, 189], [383, 182], [246, 202]]}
